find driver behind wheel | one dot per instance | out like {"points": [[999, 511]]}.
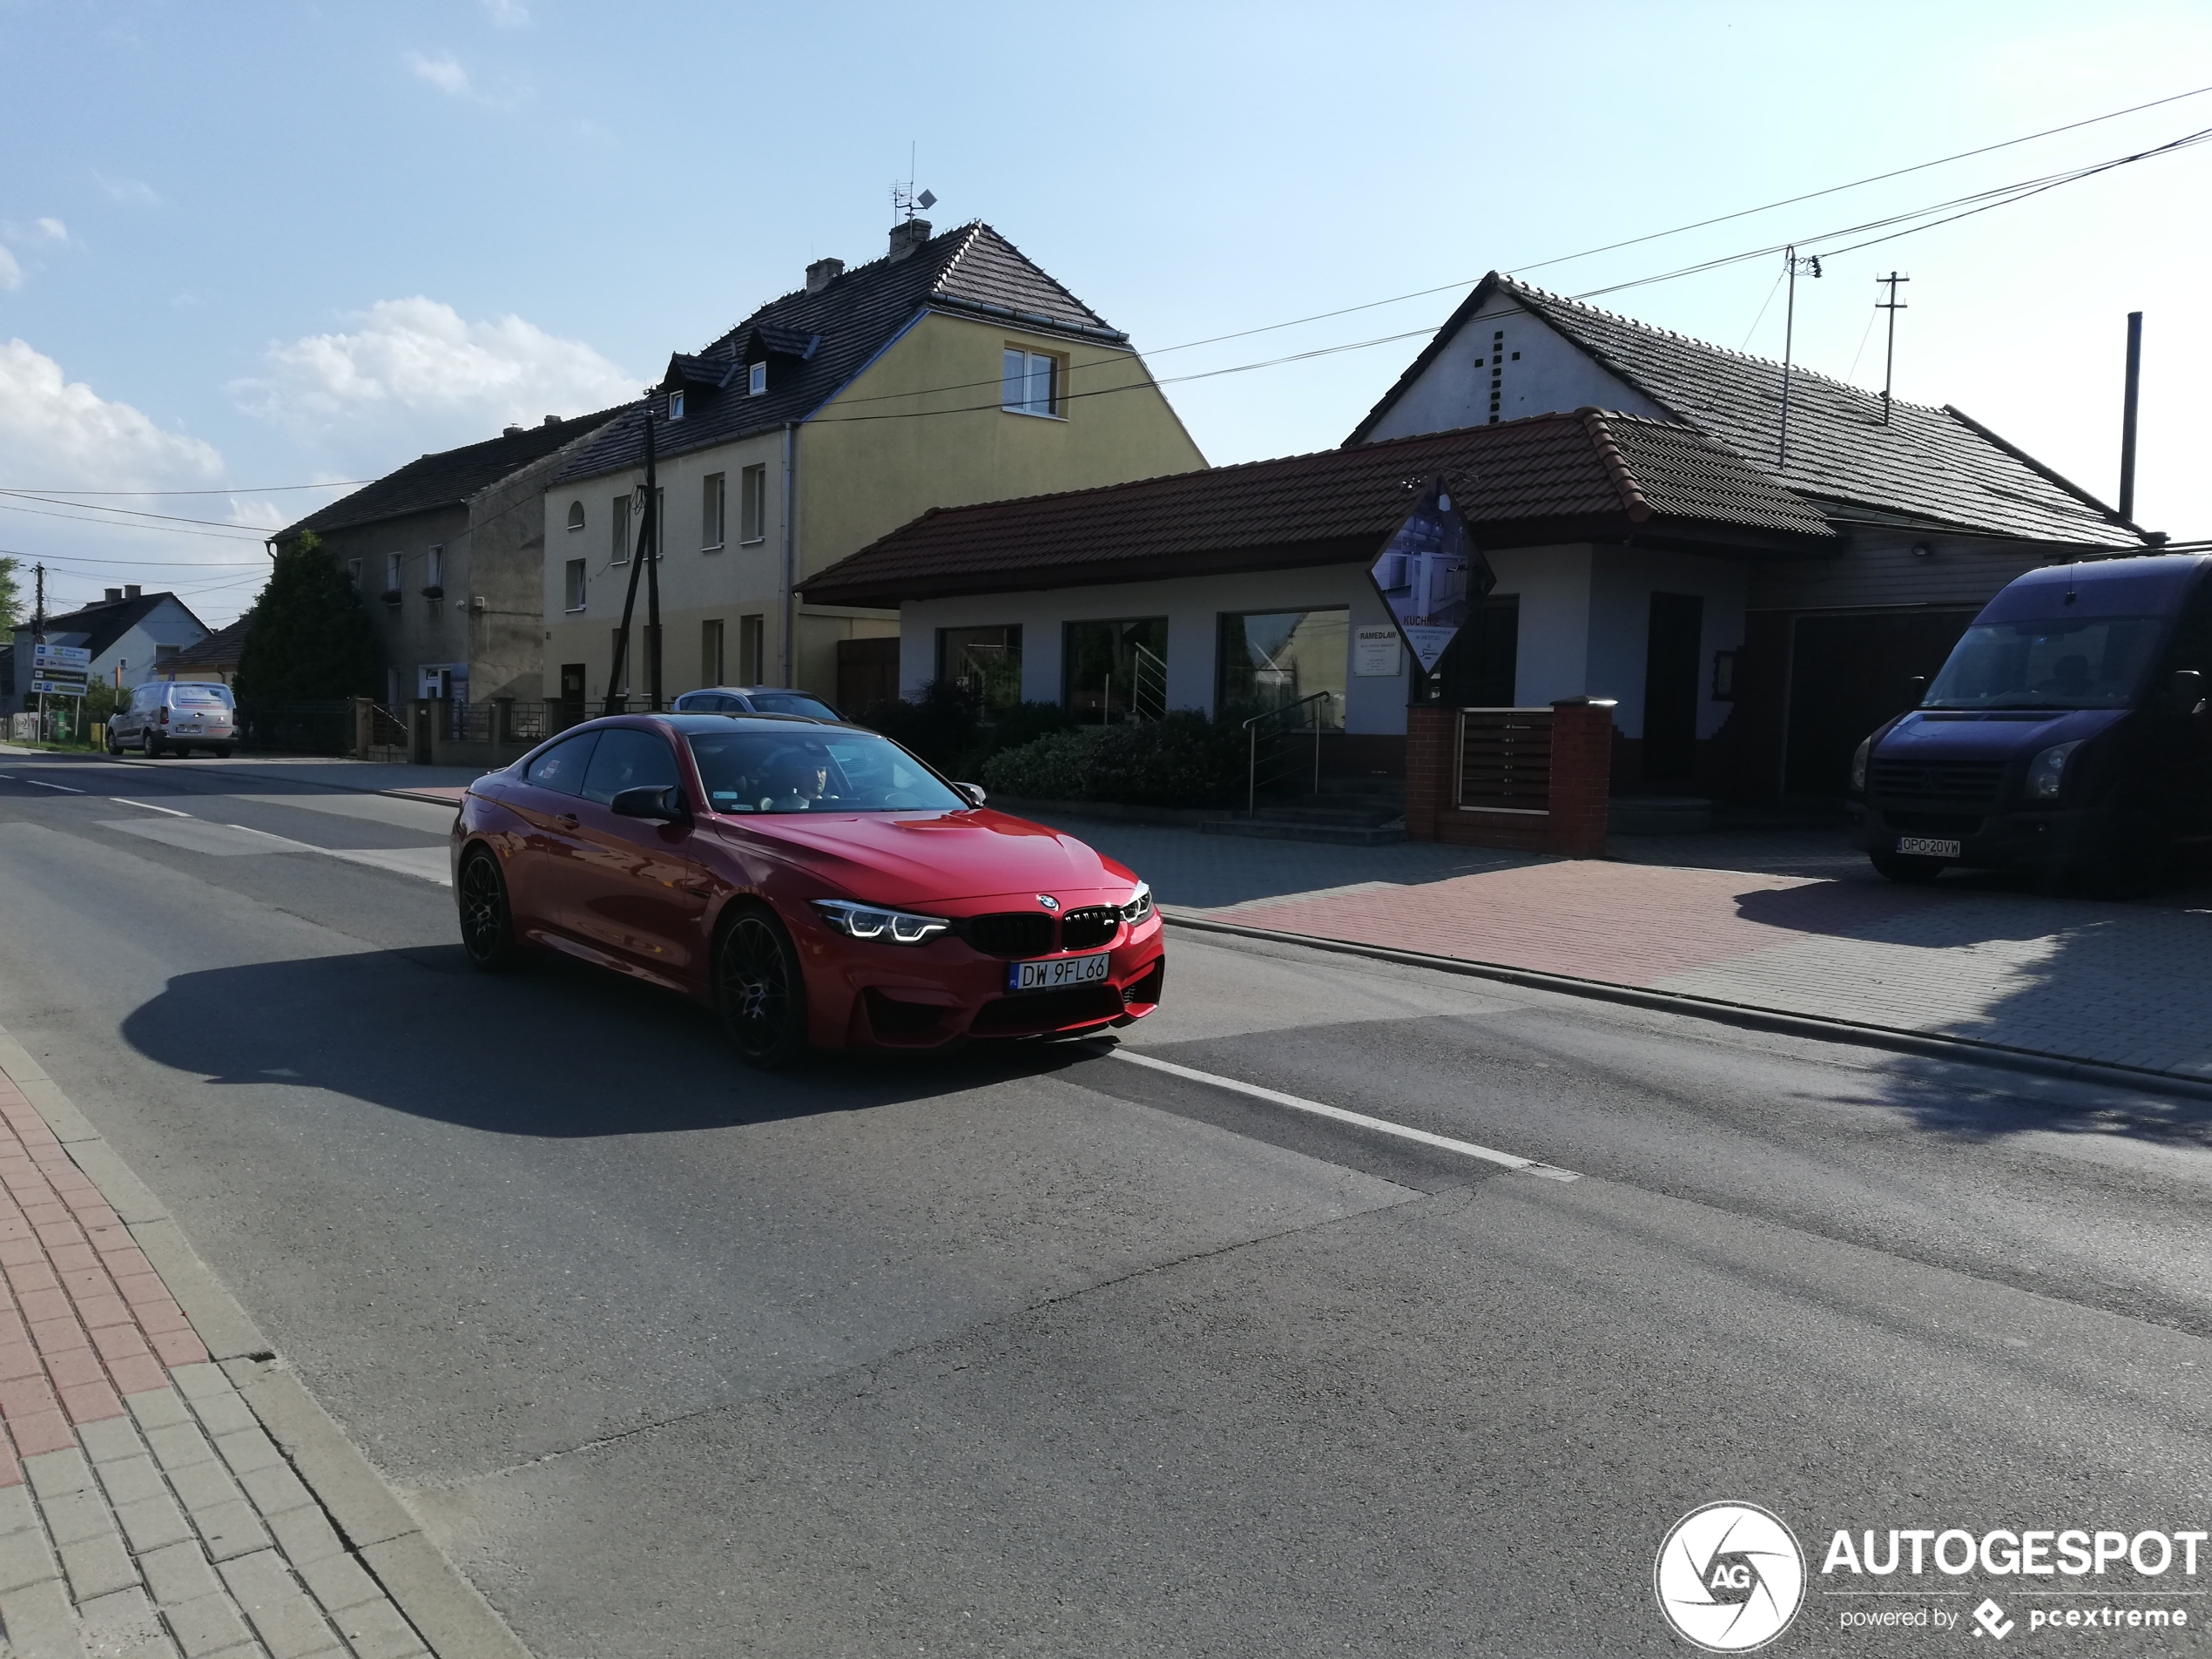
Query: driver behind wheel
{"points": [[794, 782]]}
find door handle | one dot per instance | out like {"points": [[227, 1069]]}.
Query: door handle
{"points": [[567, 820]]}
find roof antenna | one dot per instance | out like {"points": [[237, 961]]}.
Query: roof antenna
{"points": [[905, 199]]}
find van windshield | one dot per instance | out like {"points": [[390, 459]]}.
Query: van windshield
{"points": [[798, 772], [2078, 663]]}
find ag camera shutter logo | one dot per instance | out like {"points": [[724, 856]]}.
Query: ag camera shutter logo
{"points": [[1730, 1577]]}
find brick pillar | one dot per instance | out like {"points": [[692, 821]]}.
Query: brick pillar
{"points": [[1582, 777], [1431, 729]]}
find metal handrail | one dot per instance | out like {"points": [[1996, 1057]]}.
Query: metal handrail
{"points": [[1140, 682], [1251, 734]]}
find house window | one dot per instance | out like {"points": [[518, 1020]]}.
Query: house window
{"points": [[393, 563], [711, 652], [354, 573], [618, 515], [1031, 383], [676, 405], [1272, 659], [714, 500], [984, 662], [756, 380], [753, 649], [575, 515], [753, 504], [433, 571], [1114, 670], [575, 590]]}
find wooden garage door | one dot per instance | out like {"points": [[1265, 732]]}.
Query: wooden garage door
{"points": [[1847, 675]]}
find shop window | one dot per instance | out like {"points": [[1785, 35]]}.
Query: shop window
{"points": [[1274, 659], [985, 664], [1113, 671]]}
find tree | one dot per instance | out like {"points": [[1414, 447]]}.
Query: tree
{"points": [[309, 640], [10, 597]]}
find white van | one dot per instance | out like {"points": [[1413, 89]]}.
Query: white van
{"points": [[176, 717]]}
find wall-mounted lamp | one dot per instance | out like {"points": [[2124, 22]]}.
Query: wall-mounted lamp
{"points": [[1923, 550]]}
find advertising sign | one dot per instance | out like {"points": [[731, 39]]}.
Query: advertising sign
{"points": [[1431, 575], [1376, 653]]}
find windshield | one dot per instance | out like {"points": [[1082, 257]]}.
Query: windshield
{"points": [[2079, 663], [211, 696], [790, 703], [797, 772]]}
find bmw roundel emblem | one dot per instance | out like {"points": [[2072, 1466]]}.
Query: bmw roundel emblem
{"points": [[1047, 901]]}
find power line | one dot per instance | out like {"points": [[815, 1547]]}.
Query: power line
{"points": [[235, 490], [139, 564], [129, 512], [166, 529]]}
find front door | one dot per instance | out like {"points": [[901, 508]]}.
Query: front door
{"points": [[639, 894], [1670, 663]]}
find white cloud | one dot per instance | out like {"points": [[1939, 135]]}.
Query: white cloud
{"points": [[60, 434], [417, 367], [132, 191], [443, 72], [10, 272], [51, 230], [508, 14]]}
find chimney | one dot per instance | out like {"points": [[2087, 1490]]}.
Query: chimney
{"points": [[131, 592], [822, 273], [906, 237], [511, 432], [552, 420], [113, 594]]}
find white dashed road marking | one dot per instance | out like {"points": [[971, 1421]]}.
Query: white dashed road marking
{"points": [[1443, 1142], [148, 807], [40, 784]]}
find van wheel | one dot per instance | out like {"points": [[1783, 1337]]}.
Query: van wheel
{"points": [[114, 744], [486, 919], [221, 751], [1898, 866], [153, 747], [760, 992]]}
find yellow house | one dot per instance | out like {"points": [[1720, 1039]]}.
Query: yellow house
{"points": [[951, 370]]}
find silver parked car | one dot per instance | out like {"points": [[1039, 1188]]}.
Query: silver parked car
{"points": [[754, 699], [174, 716]]}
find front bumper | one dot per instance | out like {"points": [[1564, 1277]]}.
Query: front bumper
{"points": [[2019, 839], [865, 994]]}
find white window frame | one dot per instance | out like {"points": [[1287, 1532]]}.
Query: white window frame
{"points": [[753, 505], [756, 380], [577, 576], [395, 572], [434, 566], [714, 511], [618, 527], [1056, 370], [676, 405]]}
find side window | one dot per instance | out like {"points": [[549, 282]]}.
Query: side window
{"points": [[627, 758], [561, 767], [2191, 646]]}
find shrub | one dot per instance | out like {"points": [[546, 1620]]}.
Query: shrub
{"points": [[1054, 767], [946, 729], [1184, 760], [310, 641]]}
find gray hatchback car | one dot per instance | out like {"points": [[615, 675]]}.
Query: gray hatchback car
{"points": [[174, 716]]}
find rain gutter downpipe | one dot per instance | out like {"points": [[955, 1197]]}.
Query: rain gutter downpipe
{"points": [[788, 653]]}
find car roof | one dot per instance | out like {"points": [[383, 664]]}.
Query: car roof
{"points": [[684, 721]]}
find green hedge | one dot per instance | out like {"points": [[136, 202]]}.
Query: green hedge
{"points": [[1184, 760]]}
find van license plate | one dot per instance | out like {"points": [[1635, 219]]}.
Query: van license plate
{"points": [[1056, 973], [1921, 847]]}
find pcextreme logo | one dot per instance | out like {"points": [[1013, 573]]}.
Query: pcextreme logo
{"points": [[1730, 1577]]}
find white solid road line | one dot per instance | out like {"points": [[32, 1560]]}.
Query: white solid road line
{"points": [[1444, 1143], [422, 866], [37, 784], [148, 807]]}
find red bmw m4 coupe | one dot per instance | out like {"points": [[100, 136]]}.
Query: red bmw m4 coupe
{"points": [[814, 884]]}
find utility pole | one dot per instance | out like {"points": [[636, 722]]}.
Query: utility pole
{"points": [[652, 568], [2127, 415], [1892, 304], [1788, 343], [615, 699], [38, 635]]}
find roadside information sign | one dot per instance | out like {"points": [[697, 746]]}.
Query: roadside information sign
{"points": [[1431, 575], [60, 671]]}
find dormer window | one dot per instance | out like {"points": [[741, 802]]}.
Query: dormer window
{"points": [[756, 380], [676, 405]]}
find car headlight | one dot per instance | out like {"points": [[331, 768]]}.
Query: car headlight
{"points": [[2047, 771], [1858, 766], [1139, 906], [871, 921]]}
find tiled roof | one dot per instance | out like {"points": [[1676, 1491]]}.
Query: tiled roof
{"points": [[815, 343], [219, 650], [103, 624], [1928, 464], [447, 479], [1585, 469]]}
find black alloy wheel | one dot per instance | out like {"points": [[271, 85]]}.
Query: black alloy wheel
{"points": [[1899, 866], [760, 991], [487, 923]]}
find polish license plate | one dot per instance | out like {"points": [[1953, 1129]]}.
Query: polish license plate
{"points": [[1921, 847], [1057, 973]]}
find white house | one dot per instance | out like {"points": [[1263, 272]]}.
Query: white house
{"points": [[132, 636]]}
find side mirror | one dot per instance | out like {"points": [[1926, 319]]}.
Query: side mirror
{"points": [[1919, 687], [974, 791], [652, 803], [2186, 689]]}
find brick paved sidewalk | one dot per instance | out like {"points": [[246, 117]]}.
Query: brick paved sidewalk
{"points": [[2118, 984], [145, 1510]]}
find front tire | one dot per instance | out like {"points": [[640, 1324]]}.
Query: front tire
{"points": [[760, 991], [1898, 866], [114, 745], [486, 919]]}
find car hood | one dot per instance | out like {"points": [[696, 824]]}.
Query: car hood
{"points": [[936, 858], [1999, 735]]}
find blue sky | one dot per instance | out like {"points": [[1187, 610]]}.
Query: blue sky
{"points": [[262, 245]]}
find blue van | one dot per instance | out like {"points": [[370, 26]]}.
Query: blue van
{"points": [[2067, 734]]}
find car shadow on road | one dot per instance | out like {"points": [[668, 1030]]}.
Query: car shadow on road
{"points": [[559, 1049]]}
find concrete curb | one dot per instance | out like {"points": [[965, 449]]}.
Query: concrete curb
{"points": [[448, 1611], [1747, 1015]]}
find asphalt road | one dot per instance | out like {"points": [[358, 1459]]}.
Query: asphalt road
{"points": [[1047, 1352]]}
